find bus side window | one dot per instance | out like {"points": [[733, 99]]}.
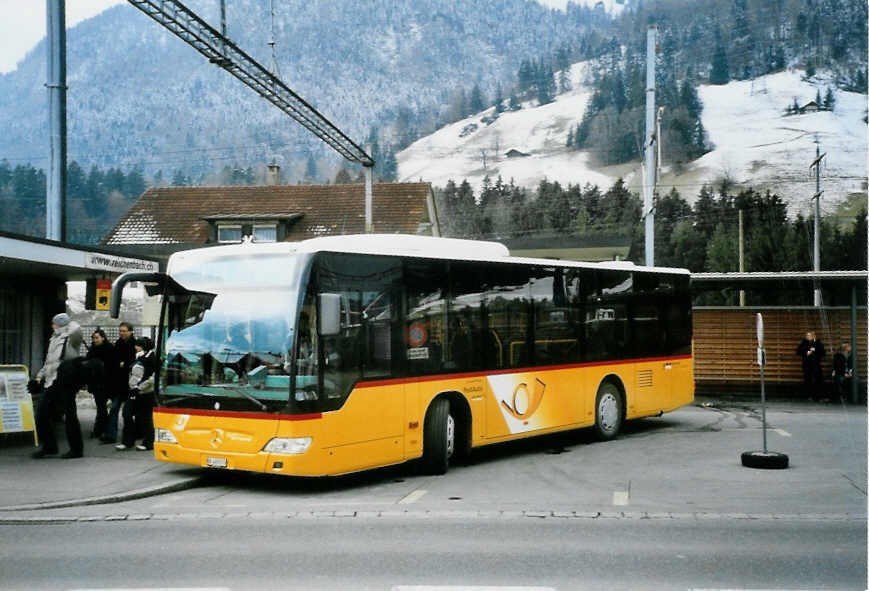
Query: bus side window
{"points": [[426, 284], [465, 319], [606, 320], [508, 303]]}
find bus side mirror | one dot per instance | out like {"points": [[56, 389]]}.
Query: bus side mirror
{"points": [[330, 314]]}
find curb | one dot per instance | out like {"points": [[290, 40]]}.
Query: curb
{"points": [[560, 516], [141, 493]]}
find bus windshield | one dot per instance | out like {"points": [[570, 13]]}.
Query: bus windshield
{"points": [[229, 345]]}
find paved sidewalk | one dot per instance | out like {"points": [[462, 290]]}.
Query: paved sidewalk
{"points": [[103, 475]]}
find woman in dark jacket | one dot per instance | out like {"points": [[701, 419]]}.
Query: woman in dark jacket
{"points": [[103, 350]]}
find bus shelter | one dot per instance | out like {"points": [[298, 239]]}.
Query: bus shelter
{"points": [[787, 297], [33, 277]]}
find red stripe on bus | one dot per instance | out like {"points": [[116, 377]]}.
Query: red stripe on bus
{"points": [[476, 374], [237, 414]]}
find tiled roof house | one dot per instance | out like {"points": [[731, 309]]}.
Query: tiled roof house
{"points": [[169, 219]]}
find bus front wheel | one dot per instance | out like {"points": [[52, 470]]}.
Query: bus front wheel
{"points": [[439, 437], [608, 411]]}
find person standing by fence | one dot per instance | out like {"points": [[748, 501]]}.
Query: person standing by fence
{"points": [[811, 352], [843, 371], [124, 358]]}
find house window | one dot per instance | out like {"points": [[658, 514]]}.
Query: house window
{"points": [[265, 233], [227, 233]]}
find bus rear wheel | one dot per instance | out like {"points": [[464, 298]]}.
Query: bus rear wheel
{"points": [[609, 411], [439, 437]]}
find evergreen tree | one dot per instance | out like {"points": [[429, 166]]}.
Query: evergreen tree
{"points": [[178, 179], [342, 177], [515, 105], [476, 103], [722, 252], [134, 184], [829, 99], [720, 73], [499, 99], [311, 169]]}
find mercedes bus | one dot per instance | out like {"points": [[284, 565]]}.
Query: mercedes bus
{"points": [[339, 354]]}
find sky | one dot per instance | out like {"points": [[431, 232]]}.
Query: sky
{"points": [[22, 25]]}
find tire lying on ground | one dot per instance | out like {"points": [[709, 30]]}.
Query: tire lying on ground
{"points": [[769, 460]]}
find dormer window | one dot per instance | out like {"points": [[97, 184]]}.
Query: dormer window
{"points": [[265, 233], [229, 233], [234, 228]]}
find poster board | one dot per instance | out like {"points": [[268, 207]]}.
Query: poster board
{"points": [[16, 405]]}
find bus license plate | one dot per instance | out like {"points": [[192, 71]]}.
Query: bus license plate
{"points": [[216, 462]]}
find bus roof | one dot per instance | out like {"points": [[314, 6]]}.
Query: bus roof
{"points": [[400, 245]]}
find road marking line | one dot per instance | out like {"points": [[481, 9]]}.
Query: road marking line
{"points": [[156, 589], [621, 497], [782, 432], [412, 497], [466, 588]]}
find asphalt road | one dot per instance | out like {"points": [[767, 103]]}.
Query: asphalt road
{"points": [[665, 506], [384, 553]]}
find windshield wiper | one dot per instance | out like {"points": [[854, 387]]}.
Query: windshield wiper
{"points": [[250, 397], [191, 395]]}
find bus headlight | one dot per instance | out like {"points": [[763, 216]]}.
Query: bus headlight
{"points": [[164, 436], [288, 445]]}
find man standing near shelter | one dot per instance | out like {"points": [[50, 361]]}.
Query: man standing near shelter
{"points": [[64, 345], [118, 377], [811, 352]]}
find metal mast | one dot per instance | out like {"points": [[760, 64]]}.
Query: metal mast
{"points": [[221, 51], [649, 166], [55, 206]]}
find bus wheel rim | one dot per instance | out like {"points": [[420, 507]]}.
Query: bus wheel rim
{"points": [[608, 412], [451, 435]]}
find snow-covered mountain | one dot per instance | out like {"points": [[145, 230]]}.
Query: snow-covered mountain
{"points": [[754, 143], [611, 7]]}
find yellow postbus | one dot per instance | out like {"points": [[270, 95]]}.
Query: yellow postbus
{"points": [[340, 354]]}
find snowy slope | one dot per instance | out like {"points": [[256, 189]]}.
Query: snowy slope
{"points": [[540, 132], [753, 144]]}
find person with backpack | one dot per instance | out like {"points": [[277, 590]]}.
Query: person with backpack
{"points": [[63, 345], [138, 419]]}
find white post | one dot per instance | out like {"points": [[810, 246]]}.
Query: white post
{"points": [[649, 169], [816, 249], [369, 197]]}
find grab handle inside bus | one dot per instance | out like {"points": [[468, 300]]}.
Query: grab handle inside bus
{"points": [[119, 284]]}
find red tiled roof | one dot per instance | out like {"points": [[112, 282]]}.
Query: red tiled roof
{"points": [[175, 214]]}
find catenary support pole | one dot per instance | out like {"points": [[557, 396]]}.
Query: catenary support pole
{"points": [[55, 199], [741, 255], [649, 166], [816, 247], [855, 374]]}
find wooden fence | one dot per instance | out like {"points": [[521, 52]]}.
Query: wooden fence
{"points": [[725, 343]]}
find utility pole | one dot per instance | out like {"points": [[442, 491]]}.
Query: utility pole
{"points": [[649, 166], [369, 192], [816, 250], [741, 255], [55, 199]]}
